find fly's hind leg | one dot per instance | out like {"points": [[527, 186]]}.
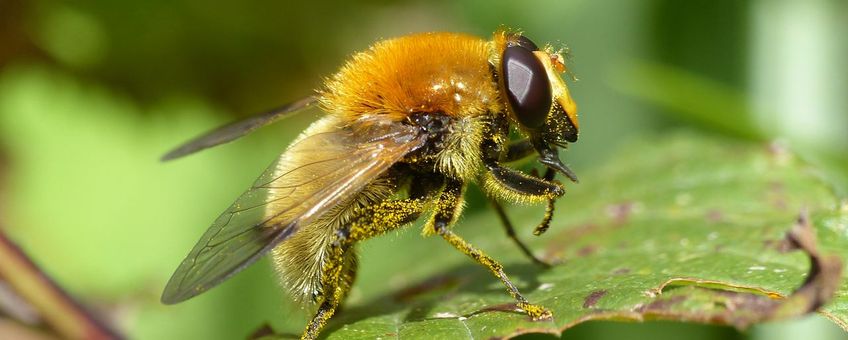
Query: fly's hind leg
{"points": [[339, 269], [447, 205], [348, 275], [334, 290]]}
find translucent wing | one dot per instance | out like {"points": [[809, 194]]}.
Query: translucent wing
{"points": [[319, 171], [236, 129]]}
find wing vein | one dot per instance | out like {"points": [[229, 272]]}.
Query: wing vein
{"points": [[326, 167]]}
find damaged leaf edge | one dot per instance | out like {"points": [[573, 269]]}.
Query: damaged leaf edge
{"points": [[824, 276]]}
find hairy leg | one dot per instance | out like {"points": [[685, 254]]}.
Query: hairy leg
{"points": [[338, 274], [549, 209], [448, 203]]}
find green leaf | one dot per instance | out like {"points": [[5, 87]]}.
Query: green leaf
{"points": [[682, 227]]}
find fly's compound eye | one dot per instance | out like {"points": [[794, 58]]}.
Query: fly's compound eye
{"points": [[525, 42], [526, 81]]}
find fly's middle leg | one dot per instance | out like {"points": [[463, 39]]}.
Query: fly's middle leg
{"points": [[448, 203]]}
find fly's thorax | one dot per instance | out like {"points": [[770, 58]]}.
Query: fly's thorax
{"points": [[453, 144], [433, 72]]}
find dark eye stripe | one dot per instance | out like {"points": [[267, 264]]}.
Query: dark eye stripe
{"points": [[527, 86]]}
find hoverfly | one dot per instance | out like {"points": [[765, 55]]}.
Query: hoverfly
{"points": [[409, 123]]}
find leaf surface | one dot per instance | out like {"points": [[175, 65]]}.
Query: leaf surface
{"points": [[682, 227]]}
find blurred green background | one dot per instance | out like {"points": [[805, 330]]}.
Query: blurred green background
{"points": [[93, 92]]}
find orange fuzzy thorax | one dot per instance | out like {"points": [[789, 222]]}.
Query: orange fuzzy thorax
{"points": [[429, 72]]}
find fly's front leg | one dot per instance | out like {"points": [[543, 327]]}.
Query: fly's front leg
{"points": [[339, 268], [549, 209], [518, 150], [448, 203], [501, 183], [515, 186], [512, 185]]}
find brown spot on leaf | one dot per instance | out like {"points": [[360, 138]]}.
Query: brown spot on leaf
{"points": [[620, 212], [779, 203], [779, 152], [621, 271], [661, 304], [567, 237], [776, 195], [593, 298], [782, 245], [715, 216], [586, 250]]}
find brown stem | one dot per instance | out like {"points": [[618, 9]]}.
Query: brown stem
{"points": [[59, 310]]}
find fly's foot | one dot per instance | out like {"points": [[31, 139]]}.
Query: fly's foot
{"points": [[536, 312]]}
